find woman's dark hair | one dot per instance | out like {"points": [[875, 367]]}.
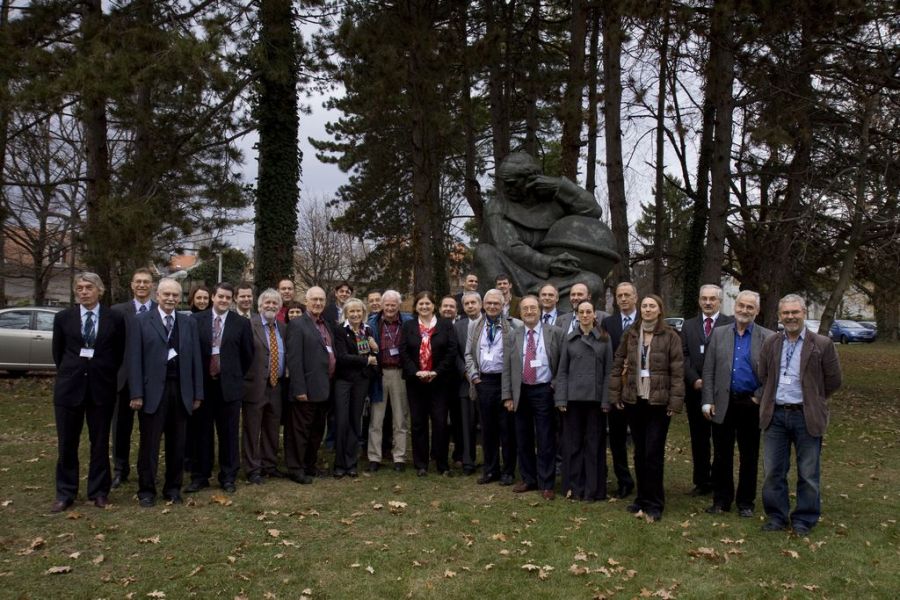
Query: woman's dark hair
{"points": [[660, 321], [293, 304], [199, 288], [424, 294], [604, 337]]}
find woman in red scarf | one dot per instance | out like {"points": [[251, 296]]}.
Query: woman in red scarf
{"points": [[428, 353]]}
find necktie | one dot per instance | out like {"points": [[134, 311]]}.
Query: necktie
{"points": [[626, 323], [707, 326], [547, 318], [326, 339], [88, 333], [170, 322], [529, 373], [273, 356], [143, 308], [214, 365]]}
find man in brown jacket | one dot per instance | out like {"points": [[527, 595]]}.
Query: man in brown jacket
{"points": [[798, 370]]}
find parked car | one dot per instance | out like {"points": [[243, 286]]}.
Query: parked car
{"points": [[870, 325], [26, 336], [675, 322], [845, 331], [812, 325]]}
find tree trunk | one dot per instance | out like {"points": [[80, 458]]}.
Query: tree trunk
{"points": [[570, 109], [497, 38], [471, 189], [593, 95], [722, 81], [612, 106], [887, 312], [4, 128], [660, 208], [93, 117], [279, 159], [531, 85]]}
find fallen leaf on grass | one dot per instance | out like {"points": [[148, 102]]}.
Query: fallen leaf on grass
{"points": [[500, 537], [530, 567], [232, 559], [707, 553], [488, 566], [196, 570], [448, 574], [156, 594], [35, 544], [6, 503], [350, 521], [355, 566], [791, 553], [73, 515], [149, 540], [99, 559], [811, 588], [377, 506], [370, 570], [273, 532], [576, 569], [612, 562], [582, 556], [58, 570], [221, 500], [75, 555]]}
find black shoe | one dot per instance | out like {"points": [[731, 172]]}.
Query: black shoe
{"points": [[633, 508], [487, 479], [59, 506], [468, 470], [773, 526], [339, 473], [352, 473], [701, 490], [174, 499], [229, 487], [256, 479], [747, 513], [373, 466], [624, 490], [715, 509], [301, 478], [421, 472], [196, 485], [118, 480], [276, 474], [399, 466], [147, 501], [446, 473], [506, 480], [800, 529]]}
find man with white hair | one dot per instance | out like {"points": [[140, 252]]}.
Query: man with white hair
{"points": [[166, 381], [731, 392], [799, 371], [390, 387], [262, 391]]}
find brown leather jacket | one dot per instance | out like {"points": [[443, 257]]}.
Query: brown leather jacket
{"points": [[666, 369]]}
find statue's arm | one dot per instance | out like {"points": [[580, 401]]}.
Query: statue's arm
{"points": [[507, 240], [577, 200]]}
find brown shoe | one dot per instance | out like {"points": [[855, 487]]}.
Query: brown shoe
{"points": [[548, 494], [61, 505], [101, 501], [522, 487]]}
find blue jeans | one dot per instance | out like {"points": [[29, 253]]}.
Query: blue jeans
{"points": [[789, 427]]}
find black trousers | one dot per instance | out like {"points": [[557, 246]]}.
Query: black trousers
{"points": [[216, 419], [123, 425], [741, 423], [649, 428], [584, 451], [349, 400], [69, 423], [306, 423], [536, 435], [498, 428], [456, 422], [618, 446], [170, 419], [467, 424], [701, 436], [428, 402]]}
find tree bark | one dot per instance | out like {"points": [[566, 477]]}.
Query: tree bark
{"points": [[660, 204], [571, 106], [612, 106], [496, 39], [531, 83], [593, 95], [4, 128], [471, 187]]}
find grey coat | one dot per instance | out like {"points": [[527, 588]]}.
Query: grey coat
{"points": [[718, 362], [584, 366], [513, 346]]}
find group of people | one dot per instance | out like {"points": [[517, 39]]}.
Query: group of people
{"points": [[548, 390]]}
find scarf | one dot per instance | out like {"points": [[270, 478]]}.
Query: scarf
{"points": [[493, 326], [426, 331], [362, 337]]}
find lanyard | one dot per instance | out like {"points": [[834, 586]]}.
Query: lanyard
{"points": [[792, 347]]}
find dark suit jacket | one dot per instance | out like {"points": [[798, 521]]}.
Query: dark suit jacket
{"points": [[443, 349], [307, 359], [127, 310], [613, 326], [76, 375], [462, 332], [820, 377], [692, 338], [235, 351], [257, 376], [148, 354], [351, 365], [719, 363], [513, 346]]}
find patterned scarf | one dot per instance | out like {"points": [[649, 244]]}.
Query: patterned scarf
{"points": [[426, 331], [493, 326]]}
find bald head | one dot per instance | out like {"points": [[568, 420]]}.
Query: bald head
{"points": [[315, 301]]}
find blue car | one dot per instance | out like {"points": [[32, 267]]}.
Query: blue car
{"points": [[845, 331]]}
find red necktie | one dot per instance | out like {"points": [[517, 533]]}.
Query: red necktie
{"points": [[707, 327], [529, 373]]}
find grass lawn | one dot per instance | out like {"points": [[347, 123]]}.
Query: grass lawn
{"points": [[450, 538]]}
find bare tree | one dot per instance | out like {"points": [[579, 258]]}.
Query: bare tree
{"points": [[323, 256]]}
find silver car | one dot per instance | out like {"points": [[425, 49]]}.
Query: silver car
{"points": [[26, 337]]}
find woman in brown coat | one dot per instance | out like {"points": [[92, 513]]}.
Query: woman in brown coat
{"points": [[648, 382]]}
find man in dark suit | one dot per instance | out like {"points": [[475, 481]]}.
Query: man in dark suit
{"points": [[471, 303], [334, 309], [87, 348], [695, 336], [799, 371], [615, 325], [731, 393], [262, 391], [311, 362], [243, 299], [123, 419], [165, 375], [226, 349], [470, 284], [530, 359]]}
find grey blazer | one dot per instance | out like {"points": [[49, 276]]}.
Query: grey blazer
{"points": [[584, 368], [257, 376], [513, 346], [717, 366], [473, 347]]}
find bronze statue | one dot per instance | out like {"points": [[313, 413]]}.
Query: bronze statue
{"points": [[541, 229]]}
